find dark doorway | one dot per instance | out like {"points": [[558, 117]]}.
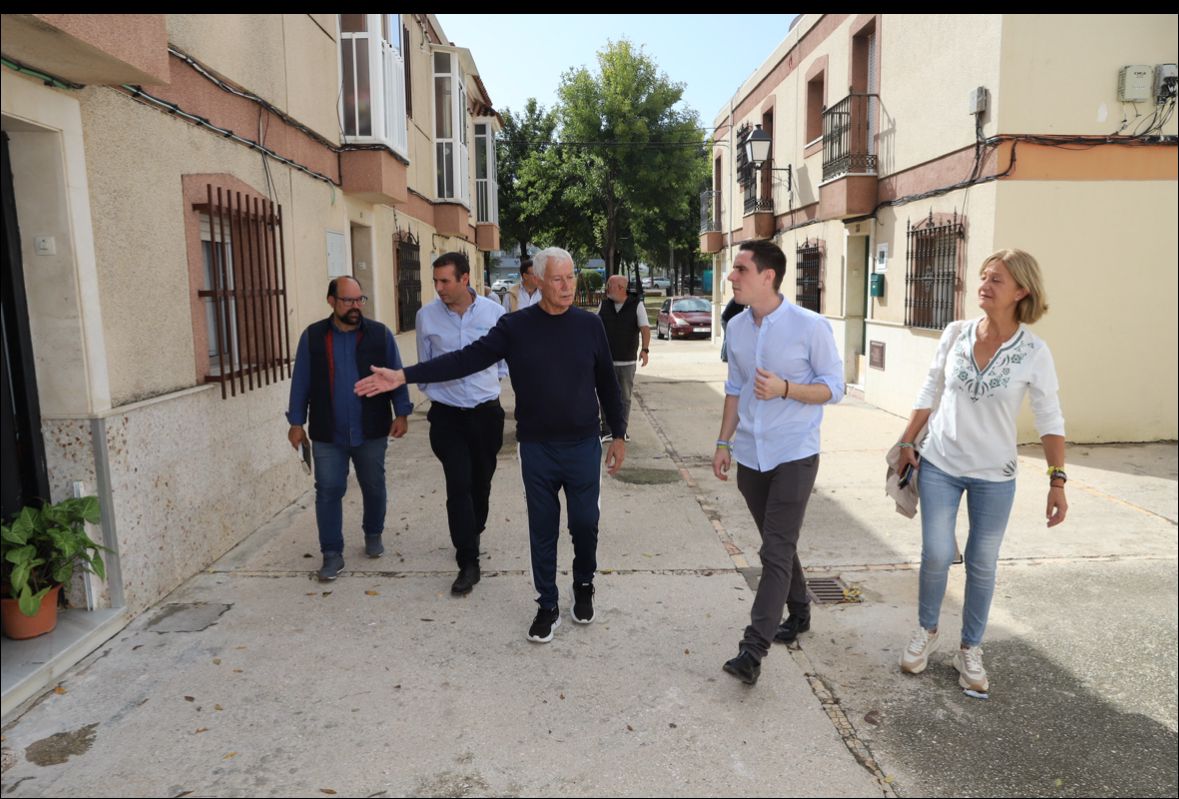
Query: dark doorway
{"points": [[24, 480]]}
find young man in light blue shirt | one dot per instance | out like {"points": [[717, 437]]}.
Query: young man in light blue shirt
{"points": [[784, 366], [466, 419]]}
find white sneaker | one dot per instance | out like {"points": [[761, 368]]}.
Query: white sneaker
{"points": [[916, 655], [971, 674]]}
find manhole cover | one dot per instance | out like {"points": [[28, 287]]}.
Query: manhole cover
{"points": [[831, 591]]}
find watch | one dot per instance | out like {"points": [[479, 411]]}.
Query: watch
{"points": [[644, 349]]}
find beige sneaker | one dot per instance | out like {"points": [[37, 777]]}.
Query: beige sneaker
{"points": [[971, 674], [916, 655]]}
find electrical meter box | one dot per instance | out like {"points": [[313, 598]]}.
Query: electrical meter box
{"points": [[1134, 83], [978, 100], [1165, 76]]}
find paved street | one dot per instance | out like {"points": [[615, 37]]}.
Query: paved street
{"points": [[253, 679]]}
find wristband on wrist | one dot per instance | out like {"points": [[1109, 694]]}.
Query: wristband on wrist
{"points": [[720, 442], [786, 390], [1056, 473], [904, 444]]}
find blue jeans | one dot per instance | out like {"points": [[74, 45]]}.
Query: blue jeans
{"points": [[989, 506], [331, 481], [546, 467]]}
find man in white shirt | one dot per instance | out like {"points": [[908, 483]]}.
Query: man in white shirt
{"points": [[525, 293], [784, 366], [466, 419], [625, 319]]}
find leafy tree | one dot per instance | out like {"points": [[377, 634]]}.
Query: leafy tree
{"points": [[525, 138], [630, 158]]}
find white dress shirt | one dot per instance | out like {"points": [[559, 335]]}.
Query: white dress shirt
{"points": [[797, 345], [441, 330]]}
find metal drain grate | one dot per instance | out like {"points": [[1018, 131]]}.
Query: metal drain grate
{"points": [[831, 590]]}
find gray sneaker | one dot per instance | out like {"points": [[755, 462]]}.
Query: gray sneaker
{"points": [[333, 564], [373, 546], [916, 655], [971, 674]]}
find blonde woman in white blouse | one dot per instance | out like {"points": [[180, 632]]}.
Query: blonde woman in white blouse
{"points": [[983, 368]]}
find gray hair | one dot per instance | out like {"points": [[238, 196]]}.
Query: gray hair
{"points": [[541, 260]]}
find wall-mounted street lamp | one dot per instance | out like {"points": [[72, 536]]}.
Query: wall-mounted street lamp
{"points": [[757, 152]]}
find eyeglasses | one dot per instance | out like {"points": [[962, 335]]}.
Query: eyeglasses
{"points": [[354, 301]]}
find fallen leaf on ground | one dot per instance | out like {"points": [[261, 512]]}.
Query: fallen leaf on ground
{"points": [[59, 690], [199, 730], [328, 791], [629, 728], [237, 671], [372, 593], [230, 756], [218, 707], [216, 661], [327, 593], [190, 699]]}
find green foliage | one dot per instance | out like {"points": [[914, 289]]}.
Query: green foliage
{"points": [[43, 546], [632, 157], [591, 279], [526, 138]]}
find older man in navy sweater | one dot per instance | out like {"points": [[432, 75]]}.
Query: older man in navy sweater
{"points": [[560, 366]]}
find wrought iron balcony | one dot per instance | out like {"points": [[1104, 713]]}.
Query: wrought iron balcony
{"points": [[759, 205], [848, 129], [710, 212]]}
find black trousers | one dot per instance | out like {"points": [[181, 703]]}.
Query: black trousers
{"points": [[777, 499], [467, 441]]}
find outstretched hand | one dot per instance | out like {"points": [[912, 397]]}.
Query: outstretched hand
{"points": [[380, 381]]}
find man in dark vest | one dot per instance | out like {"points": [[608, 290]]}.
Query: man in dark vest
{"points": [[332, 355], [625, 318]]}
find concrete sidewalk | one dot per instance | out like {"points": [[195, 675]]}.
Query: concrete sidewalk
{"points": [[253, 679]]}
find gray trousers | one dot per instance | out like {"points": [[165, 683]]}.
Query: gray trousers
{"points": [[626, 384], [777, 499]]}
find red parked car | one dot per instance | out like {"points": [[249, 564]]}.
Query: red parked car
{"points": [[684, 316]]}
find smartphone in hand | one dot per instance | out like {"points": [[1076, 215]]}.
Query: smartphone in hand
{"points": [[906, 476], [305, 452]]}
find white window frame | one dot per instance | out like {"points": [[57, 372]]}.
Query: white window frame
{"points": [[386, 76], [458, 164], [487, 187], [225, 240]]}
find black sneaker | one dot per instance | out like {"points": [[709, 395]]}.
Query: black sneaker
{"points": [[333, 564], [583, 603], [467, 577], [745, 667], [788, 630], [543, 625], [373, 546]]}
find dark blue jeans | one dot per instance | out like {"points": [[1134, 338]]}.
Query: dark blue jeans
{"points": [[331, 481], [546, 467]]}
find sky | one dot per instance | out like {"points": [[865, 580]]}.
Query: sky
{"points": [[523, 55]]}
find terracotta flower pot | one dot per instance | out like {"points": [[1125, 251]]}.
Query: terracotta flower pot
{"points": [[19, 626]]}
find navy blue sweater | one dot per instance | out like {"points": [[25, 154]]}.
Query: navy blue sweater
{"points": [[560, 367]]}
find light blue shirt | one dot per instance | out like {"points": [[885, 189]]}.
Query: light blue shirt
{"points": [[792, 343], [440, 330]]}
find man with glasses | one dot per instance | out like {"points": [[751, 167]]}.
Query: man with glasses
{"points": [[333, 353]]}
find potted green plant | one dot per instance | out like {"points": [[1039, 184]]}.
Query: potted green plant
{"points": [[39, 552]]}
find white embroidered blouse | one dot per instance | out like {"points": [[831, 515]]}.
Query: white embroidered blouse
{"points": [[972, 433]]}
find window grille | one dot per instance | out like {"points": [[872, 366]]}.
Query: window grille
{"points": [[932, 272], [244, 291], [808, 291], [409, 282]]}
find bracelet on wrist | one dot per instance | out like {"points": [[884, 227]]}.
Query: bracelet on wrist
{"points": [[1057, 473], [786, 390], [905, 444], [720, 442]]}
